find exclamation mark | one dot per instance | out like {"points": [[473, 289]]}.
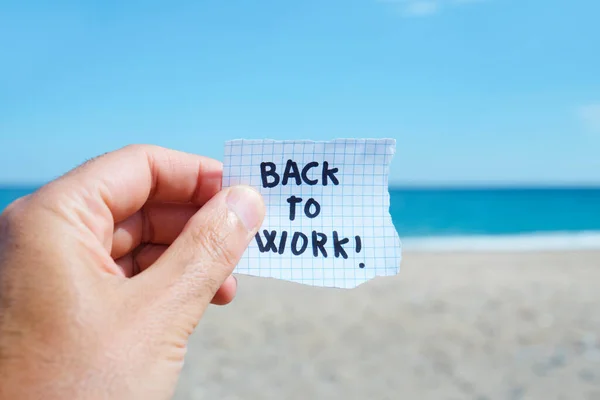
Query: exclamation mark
{"points": [[358, 249]]}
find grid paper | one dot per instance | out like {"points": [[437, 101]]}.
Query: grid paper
{"points": [[358, 206]]}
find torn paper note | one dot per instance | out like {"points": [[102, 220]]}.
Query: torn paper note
{"points": [[327, 221]]}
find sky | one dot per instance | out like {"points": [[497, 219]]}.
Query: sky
{"points": [[475, 92]]}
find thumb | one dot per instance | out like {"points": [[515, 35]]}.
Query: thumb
{"points": [[191, 270]]}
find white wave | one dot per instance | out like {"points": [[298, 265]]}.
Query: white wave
{"points": [[550, 241]]}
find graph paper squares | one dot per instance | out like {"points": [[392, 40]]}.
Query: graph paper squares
{"points": [[357, 206]]}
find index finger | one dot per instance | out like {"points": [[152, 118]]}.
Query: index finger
{"points": [[124, 180]]}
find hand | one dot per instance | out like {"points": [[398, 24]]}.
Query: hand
{"points": [[105, 272]]}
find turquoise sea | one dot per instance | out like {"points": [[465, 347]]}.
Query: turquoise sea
{"points": [[481, 219]]}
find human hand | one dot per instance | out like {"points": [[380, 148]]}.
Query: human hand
{"points": [[105, 272]]}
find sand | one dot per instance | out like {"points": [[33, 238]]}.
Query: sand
{"points": [[449, 326]]}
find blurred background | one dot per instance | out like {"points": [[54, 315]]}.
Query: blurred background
{"points": [[495, 186]]}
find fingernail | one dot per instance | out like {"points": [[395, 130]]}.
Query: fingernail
{"points": [[247, 204]]}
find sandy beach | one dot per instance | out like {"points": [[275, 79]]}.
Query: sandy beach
{"points": [[449, 326]]}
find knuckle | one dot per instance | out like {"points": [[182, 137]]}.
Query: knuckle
{"points": [[197, 283], [134, 147], [215, 244], [208, 286], [13, 214], [12, 228], [140, 148]]}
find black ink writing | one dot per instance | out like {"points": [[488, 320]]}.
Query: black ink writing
{"points": [[291, 172], [282, 242], [305, 170], [329, 173], [299, 242], [308, 207], [309, 203], [295, 249], [318, 241], [293, 201], [358, 248], [338, 245], [268, 169], [269, 241]]}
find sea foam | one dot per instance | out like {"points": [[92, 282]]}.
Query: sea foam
{"points": [[550, 241]]}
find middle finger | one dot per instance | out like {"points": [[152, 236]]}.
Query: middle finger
{"points": [[157, 223]]}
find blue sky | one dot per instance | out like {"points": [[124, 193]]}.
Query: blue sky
{"points": [[475, 92]]}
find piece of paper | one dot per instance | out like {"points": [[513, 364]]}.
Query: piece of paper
{"points": [[327, 221]]}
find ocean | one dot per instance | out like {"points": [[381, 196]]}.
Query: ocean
{"points": [[481, 219]]}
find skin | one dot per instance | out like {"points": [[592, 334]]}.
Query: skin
{"points": [[106, 271]]}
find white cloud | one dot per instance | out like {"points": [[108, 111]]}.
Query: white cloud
{"points": [[467, 1], [421, 8], [590, 116]]}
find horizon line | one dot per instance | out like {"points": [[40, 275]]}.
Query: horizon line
{"points": [[414, 185]]}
